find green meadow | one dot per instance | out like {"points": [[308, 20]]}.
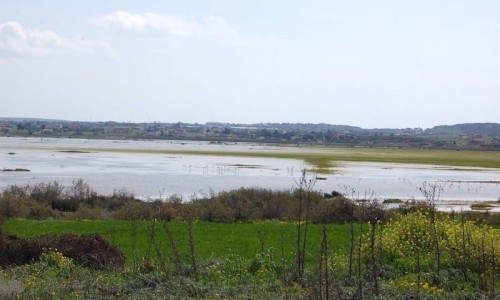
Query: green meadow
{"points": [[257, 261], [212, 240]]}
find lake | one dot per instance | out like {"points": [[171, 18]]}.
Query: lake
{"points": [[153, 169]]}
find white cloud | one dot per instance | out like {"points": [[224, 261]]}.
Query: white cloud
{"points": [[207, 28], [148, 23], [18, 41]]}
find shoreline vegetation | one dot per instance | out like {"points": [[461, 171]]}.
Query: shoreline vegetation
{"points": [[70, 242], [16, 170]]}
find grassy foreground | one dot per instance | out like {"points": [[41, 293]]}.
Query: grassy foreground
{"points": [[402, 259], [234, 261], [134, 238]]}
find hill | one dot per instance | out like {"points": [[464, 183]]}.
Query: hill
{"points": [[473, 136], [488, 129]]}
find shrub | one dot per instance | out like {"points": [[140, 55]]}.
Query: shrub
{"points": [[215, 211], [88, 250], [134, 210], [16, 190], [278, 206], [469, 249], [118, 199], [40, 211], [13, 206], [17, 251], [87, 212], [47, 192], [80, 192], [334, 210]]}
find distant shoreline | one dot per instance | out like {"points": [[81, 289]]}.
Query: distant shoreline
{"points": [[472, 136]]}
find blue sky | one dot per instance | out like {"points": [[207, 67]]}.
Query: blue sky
{"points": [[362, 63]]}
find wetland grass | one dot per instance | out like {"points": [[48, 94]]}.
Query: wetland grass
{"points": [[16, 170], [74, 151], [324, 159], [486, 205]]}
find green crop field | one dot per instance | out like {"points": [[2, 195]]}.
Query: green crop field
{"points": [[212, 240], [231, 263]]}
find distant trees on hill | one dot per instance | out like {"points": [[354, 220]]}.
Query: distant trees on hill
{"points": [[461, 136]]}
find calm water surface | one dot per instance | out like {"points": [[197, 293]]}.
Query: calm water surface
{"points": [[153, 175]]}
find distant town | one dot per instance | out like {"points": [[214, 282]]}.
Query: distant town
{"points": [[472, 136]]}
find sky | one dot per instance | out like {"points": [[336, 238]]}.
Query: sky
{"points": [[373, 64]]}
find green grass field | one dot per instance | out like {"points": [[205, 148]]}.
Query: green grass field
{"points": [[232, 266], [212, 240]]}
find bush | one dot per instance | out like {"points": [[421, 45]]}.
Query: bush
{"points": [[134, 210], [80, 192], [47, 192], [468, 253], [87, 212], [13, 206], [215, 211], [16, 190], [40, 211], [334, 210], [88, 250], [17, 251]]}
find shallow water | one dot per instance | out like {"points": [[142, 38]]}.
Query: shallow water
{"points": [[154, 175]]}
